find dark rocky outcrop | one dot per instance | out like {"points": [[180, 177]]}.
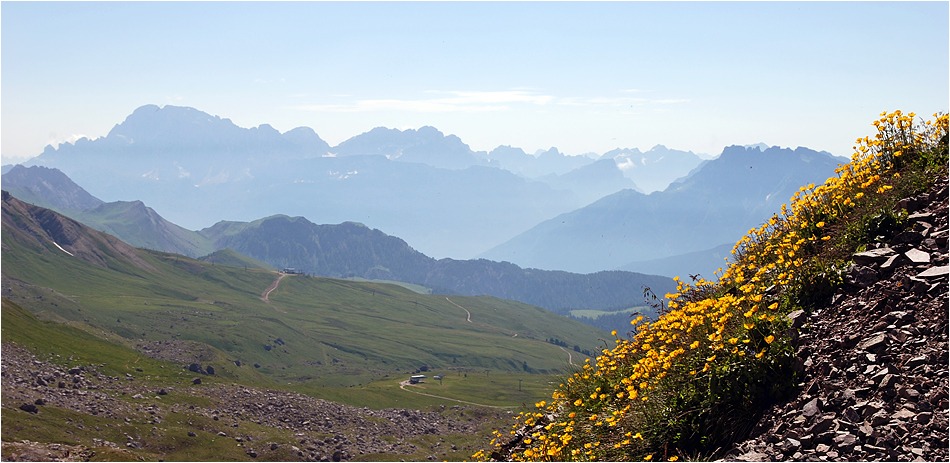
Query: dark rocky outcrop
{"points": [[875, 360]]}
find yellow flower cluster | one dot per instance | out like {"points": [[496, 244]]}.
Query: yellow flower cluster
{"points": [[611, 408]]}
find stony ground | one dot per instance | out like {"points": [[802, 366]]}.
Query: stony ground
{"points": [[876, 360], [321, 430]]}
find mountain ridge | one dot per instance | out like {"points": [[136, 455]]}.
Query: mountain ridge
{"points": [[353, 250], [714, 205]]}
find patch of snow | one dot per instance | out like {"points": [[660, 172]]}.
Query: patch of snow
{"points": [[61, 249]]}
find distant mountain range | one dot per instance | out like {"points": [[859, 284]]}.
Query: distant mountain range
{"points": [[422, 185], [546, 210], [425, 146], [655, 169], [714, 205], [540, 164], [705, 263], [346, 250]]}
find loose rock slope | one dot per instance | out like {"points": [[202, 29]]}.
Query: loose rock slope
{"points": [[321, 430], [875, 361]]}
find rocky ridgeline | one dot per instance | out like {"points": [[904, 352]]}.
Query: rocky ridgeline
{"points": [[875, 361], [322, 430]]}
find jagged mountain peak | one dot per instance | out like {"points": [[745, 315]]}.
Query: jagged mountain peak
{"points": [[426, 145]]}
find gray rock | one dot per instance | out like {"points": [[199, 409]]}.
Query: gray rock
{"points": [[920, 217], [824, 423], [875, 342], [845, 440], [888, 381], [903, 415], [917, 256], [880, 418], [852, 415], [811, 408], [862, 276], [934, 272], [29, 408], [754, 456], [909, 237], [873, 256], [908, 393], [893, 261], [797, 318]]}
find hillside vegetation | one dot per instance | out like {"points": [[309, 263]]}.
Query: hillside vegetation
{"points": [[690, 383], [313, 330]]}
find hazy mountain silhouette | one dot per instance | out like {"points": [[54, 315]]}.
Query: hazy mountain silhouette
{"points": [[592, 181], [426, 145], [655, 169], [540, 164], [718, 204], [706, 263], [49, 188], [198, 169]]}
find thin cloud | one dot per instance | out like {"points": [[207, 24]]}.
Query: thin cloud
{"points": [[454, 101], [474, 101], [55, 139]]}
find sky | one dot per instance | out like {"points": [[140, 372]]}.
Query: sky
{"points": [[579, 76]]}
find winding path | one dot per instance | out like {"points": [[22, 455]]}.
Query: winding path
{"points": [[266, 296], [405, 383], [469, 319], [570, 358]]}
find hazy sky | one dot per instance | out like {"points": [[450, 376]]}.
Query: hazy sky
{"points": [[579, 76]]}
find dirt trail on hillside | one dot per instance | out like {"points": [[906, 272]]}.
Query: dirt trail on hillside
{"points": [[266, 296], [570, 357], [469, 318], [405, 383]]}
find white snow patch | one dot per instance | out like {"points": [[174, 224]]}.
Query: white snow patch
{"points": [[61, 249]]}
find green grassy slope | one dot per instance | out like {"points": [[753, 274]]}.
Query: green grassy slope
{"points": [[318, 331], [142, 227], [233, 258]]}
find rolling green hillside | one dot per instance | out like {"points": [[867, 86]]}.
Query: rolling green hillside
{"points": [[316, 330], [142, 227], [350, 249], [233, 258]]}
